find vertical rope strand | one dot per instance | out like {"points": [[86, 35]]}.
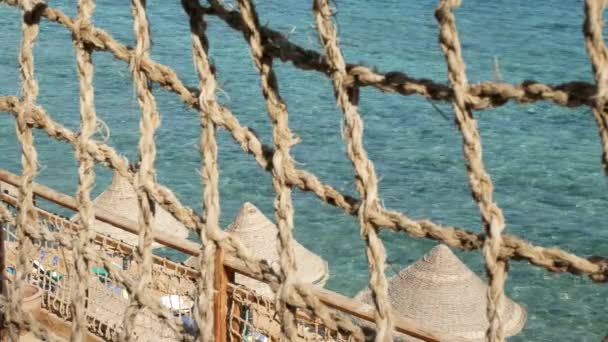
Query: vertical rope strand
{"points": [[479, 180], [283, 139], [86, 171], [596, 48], [366, 181], [150, 121], [210, 172], [29, 159]]}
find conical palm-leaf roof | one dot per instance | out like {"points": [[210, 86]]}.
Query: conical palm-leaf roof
{"points": [[441, 291], [260, 236], [120, 198]]}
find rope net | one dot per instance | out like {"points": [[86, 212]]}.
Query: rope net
{"points": [[298, 311]]}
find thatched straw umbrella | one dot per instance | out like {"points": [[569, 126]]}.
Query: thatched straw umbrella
{"points": [[260, 236], [120, 198], [443, 293]]}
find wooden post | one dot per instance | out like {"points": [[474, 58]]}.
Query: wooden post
{"points": [[220, 303]]}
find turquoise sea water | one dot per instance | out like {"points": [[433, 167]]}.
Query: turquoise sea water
{"points": [[544, 159]]}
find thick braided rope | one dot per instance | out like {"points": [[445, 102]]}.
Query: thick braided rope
{"points": [[594, 42], [86, 171], [26, 215], [479, 181], [150, 121], [210, 172], [366, 181], [283, 139]]}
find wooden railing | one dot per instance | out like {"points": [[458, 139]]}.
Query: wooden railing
{"points": [[226, 266]]}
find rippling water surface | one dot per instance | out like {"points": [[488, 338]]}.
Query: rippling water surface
{"points": [[544, 159]]}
